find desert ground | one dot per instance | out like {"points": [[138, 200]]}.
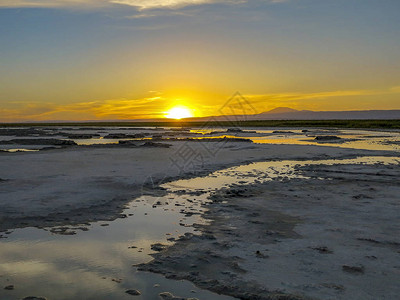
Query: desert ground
{"points": [[161, 213]]}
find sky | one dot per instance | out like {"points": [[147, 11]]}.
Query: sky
{"points": [[135, 59]]}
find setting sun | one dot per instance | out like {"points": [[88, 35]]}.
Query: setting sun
{"points": [[179, 113]]}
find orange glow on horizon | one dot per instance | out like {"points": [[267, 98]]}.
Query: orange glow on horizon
{"points": [[179, 112]]}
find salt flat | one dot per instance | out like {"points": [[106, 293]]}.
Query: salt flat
{"points": [[330, 233], [304, 221]]}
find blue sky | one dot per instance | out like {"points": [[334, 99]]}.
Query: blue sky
{"points": [[76, 59]]}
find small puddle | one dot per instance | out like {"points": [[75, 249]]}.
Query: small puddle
{"points": [[20, 150]]}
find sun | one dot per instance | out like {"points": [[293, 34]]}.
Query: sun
{"points": [[179, 112]]}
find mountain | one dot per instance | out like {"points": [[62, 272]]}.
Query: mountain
{"points": [[285, 113], [280, 110], [328, 115]]}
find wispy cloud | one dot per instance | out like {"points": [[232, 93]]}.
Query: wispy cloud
{"points": [[321, 95], [150, 107], [140, 4], [311, 100], [149, 4], [53, 3]]}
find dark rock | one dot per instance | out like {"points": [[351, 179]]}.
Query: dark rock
{"points": [[128, 142], [82, 136], [133, 292], [124, 136], [9, 287], [155, 145], [323, 250], [55, 142], [169, 296], [327, 138], [261, 255], [361, 196], [234, 130], [158, 247], [208, 236], [116, 136], [372, 257], [334, 286], [353, 269], [284, 132], [186, 236]]}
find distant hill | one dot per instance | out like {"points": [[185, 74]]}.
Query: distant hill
{"points": [[291, 114], [286, 113]]}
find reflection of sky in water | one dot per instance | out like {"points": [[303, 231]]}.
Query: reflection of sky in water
{"points": [[266, 171], [355, 139], [21, 150], [359, 142], [95, 141], [82, 266], [25, 148]]}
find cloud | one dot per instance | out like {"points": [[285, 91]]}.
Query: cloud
{"points": [[321, 95], [149, 4], [140, 4], [150, 107], [53, 3], [317, 100]]}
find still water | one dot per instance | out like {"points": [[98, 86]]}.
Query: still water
{"points": [[354, 139], [96, 261]]}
